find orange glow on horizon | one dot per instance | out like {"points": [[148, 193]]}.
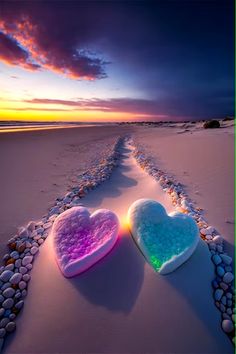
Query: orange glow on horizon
{"points": [[68, 116]]}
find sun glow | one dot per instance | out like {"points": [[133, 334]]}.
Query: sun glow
{"points": [[67, 116]]}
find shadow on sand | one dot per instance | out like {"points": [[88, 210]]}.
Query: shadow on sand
{"points": [[193, 281], [116, 280], [117, 181]]}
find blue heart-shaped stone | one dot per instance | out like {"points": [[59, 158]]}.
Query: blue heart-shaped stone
{"points": [[166, 241]]}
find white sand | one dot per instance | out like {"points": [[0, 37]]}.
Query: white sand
{"points": [[121, 305]]}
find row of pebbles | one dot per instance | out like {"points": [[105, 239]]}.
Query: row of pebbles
{"points": [[23, 247], [223, 284]]}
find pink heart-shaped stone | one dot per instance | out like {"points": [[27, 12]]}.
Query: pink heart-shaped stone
{"points": [[80, 239]]}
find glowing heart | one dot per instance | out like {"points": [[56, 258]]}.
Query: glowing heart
{"points": [[81, 240], [166, 241]]}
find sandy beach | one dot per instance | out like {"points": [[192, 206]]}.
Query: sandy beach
{"points": [[42, 165], [120, 305]]}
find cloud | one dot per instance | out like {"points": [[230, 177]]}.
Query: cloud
{"points": [[34, 39], [11, 52], [160, 108], [128, 105], [35, 109]]}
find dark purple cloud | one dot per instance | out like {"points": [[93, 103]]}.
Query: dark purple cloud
{"points": [[36, 109], [161, 108], [37, 36], [129, 105], [11, 52]]}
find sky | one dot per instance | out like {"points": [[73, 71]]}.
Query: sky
{"points": [[116, 60]]}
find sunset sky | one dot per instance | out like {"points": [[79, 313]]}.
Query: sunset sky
{"points": [[96, 61]]}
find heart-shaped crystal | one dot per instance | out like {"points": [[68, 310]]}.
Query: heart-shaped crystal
{"points": [[166, 241], [80, 239]]}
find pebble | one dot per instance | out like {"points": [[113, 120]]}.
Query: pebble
{"points": [[17, 296], [228, 269], [14, 255], [220, 271], [26, 277], [54, 210], [226, 259], [229, 295], [6, 275], [6, 256], [29, 266], [27, 260], [10, 267], [1, 311], [19, 304], [23, 233], [223, 300], [227, 326], [208, 237], [47, 225], [8, 303], [228, 277], [215, 284], [34, 250], [23, 270], [12, 316], [210, 230], [218, 294], [204, 232], [31, 226], [2, 332], [10, 261], [218, 239], [5, 286], [7, 313], [10, 327], [9, 292], [224, 286], [15, 279], [229, 311], [40, 241], [40, 230], [225, 316], [219, 249], [24, 293], [222, 308], [4, 322], [216, 259], [21, 247], [212, 246], [22, 285]]}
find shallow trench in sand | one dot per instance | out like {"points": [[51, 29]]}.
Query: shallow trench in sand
{"points": [[121, 305]]}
